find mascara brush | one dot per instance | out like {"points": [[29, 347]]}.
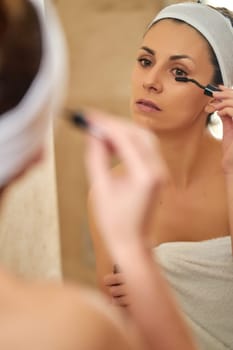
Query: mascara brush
{"points": [[79, 120], [208, 89]]}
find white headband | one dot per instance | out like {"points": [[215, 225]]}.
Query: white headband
{"points": [[23, 129], [215, 27]]}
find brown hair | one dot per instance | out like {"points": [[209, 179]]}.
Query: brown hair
{"points": [[20, 50]]}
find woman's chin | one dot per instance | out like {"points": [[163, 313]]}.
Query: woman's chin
{"points": [[146, 122]]}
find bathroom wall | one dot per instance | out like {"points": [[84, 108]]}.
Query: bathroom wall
{"points": [[29, 230]]}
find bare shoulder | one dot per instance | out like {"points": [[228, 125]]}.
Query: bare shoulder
{"points": [[53, 316], [84, 319], [103, 324]]}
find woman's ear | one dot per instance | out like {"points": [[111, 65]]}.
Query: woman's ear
{"points": [[210, 106]]}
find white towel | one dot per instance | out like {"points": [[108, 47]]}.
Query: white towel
{"points": [[24, 128], [201, 275]]}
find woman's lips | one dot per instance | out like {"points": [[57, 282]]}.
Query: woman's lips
{"points": [[147, 106]]}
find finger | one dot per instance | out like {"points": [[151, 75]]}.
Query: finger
{"points": [[224, 88], [228, 111], [117, 291], [121, 301], [99, 151], [109, 125], [223, 103], [136, 149], [122, 132], [224, 94], [117, 134], [227, 123], [114, 279]]}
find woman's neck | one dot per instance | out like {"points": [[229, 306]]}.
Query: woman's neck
{"points": [[183, 152]]}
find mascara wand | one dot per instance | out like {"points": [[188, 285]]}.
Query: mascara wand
{"points": [[79, 119], [208, 89]]}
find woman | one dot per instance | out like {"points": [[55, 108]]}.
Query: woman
{"points": [[40, 315], [191, 226], [52, 316]]}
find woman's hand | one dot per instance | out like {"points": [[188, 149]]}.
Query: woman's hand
{"points": [[117, 289], [224, 108], [123, 203]]}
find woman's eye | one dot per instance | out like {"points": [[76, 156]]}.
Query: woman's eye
{"points": [[179, 72], [144, 62]]}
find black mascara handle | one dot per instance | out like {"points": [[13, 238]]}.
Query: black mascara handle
{"points": [[209, 89], [79, 119]]}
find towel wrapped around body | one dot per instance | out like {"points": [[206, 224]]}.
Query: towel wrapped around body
{"points": [[201, 276]]}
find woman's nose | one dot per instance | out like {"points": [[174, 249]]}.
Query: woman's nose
{"points": [[152, 81]]}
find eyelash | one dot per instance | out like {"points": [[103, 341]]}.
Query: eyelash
{"points": [[145, 62], [184, 73]]}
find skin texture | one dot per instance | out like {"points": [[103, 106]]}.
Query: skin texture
{"points": [[186, 208]]}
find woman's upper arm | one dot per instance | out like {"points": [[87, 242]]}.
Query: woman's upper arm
{"points": [[104, 263]]}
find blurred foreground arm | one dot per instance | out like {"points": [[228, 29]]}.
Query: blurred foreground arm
{"points": [[53, 316], [122, 205]]}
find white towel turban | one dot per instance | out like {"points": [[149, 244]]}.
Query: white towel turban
{"points": [[24, 128], [215, 27]]}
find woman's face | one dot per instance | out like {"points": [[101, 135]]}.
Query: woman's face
{"points": [[158, 101]]}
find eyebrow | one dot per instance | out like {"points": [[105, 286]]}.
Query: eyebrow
{"points": [[171, 58], [179, 57], [147, 49]]}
